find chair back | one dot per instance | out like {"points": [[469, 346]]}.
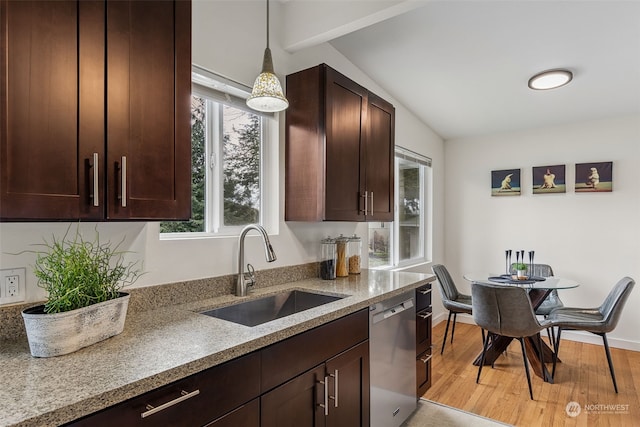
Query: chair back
{"points": [[611, 308], [540, 270], [447, 286], [504, 310]]}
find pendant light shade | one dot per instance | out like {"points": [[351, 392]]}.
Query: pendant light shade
{"points": [[267, 92]]}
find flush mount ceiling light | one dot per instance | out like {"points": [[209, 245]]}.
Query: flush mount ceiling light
{"points": [[267, 93], [550, 79]]}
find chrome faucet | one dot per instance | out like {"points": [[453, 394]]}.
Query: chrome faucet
{"points": [[249, 279]]}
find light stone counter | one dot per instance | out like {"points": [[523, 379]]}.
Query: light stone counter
{"points": [[163, 345]]}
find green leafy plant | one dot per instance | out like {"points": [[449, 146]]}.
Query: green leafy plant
{"points": [[77, 273], [520, 267]]}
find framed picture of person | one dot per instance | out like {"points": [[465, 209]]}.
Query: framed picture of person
{"points": [[549, 179], [594, 177], [505, 182]]}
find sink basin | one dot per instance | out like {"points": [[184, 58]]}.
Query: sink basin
{"points": [[262, 310]]}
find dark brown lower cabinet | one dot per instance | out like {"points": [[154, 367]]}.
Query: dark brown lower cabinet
{"points": [[296, 402], [350, 382], [334, 394], [423, 339], [319, 378]]}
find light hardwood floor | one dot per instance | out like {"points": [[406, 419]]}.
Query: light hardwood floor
{"points": [[502, 393]]}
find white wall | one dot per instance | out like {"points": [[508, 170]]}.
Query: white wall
{"points": [[229, 38], [592, 238]]}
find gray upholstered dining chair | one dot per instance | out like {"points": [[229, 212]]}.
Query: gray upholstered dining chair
{"points": [[551, 302], [599, 320], [506, 311], [452, 300]]}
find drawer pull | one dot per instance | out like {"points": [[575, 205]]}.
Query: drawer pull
{"points": [[184, 396], [425, 291], [424, 315], [425, 359]]}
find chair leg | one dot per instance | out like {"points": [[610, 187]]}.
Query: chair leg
{"points": [[606, 348], [453, 328], [446, 330], [526, 367], [484, 351], [555, 353]]}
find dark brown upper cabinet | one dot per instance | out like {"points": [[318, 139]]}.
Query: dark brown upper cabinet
{"points": [[339, 149], [95, 110]]}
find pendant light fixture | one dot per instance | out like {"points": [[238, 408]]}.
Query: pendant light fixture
{"points": [[267, 93]]}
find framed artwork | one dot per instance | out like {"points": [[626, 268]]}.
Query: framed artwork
{"points": [[505, 182], [594, 177], [549, 179]]}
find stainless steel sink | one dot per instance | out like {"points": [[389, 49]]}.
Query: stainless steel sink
{"points": [[262, 310]]}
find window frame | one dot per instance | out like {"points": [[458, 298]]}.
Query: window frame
{"points": [[218, 91], [426, 224]]}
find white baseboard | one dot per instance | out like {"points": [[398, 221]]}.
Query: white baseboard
{"points": [[579, 336]]}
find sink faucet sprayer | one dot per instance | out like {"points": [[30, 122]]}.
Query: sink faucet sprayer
{"points": [[249, 279]]}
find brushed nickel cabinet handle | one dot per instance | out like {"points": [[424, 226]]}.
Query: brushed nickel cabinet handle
{"points": [[365, 202], [123, 187], [371, 204], [325, 405], [424, 316], [335, 388], [425, 291], [184, 395], [96, 184]]}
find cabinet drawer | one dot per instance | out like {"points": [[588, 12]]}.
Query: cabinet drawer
{"points": [[423, 297], [423, 372], [295, 355], [195, 400], [423, 330]]}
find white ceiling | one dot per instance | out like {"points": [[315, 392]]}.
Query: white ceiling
{"points": [[462, 66]]}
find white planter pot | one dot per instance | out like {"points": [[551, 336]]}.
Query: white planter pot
{"points": [[62, 333]]}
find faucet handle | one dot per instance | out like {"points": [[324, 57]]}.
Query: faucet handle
{"points": [[250, 275]]}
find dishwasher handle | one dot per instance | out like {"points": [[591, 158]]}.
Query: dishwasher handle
{"points": [[392, 311]]}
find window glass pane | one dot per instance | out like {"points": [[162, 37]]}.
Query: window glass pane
{"points": [[241, 166], [379, 244], [198, 173], [409, 210]]}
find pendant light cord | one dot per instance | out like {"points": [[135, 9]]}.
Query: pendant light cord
{"points": [[267, 23]]}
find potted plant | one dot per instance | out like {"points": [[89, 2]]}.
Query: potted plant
{"points": [[83, 279], [521, 270]]}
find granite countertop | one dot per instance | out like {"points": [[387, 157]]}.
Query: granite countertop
{"points": [[163, 345]]}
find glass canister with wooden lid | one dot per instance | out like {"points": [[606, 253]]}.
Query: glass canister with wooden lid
{"points": [[353, 252], [342, 269], [328, 259]]}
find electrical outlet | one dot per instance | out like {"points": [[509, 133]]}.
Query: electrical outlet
{"points": [[13, 285]]}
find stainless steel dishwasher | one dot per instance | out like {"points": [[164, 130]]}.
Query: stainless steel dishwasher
{"points": [[392, 352]]}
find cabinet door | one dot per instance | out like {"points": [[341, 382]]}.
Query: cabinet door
{"points": [[148, 109], [345, 116], [51, 109], [296, 403], [378, 156], [349, 388]]}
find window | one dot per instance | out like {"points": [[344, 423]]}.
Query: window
{"points": [[228, 179], [406, 240]]}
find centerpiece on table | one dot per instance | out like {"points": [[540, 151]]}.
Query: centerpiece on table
{"points": [[83, 280]]}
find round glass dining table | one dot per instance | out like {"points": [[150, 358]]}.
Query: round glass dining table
{"points": [[542, 283], [539, 289]]}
